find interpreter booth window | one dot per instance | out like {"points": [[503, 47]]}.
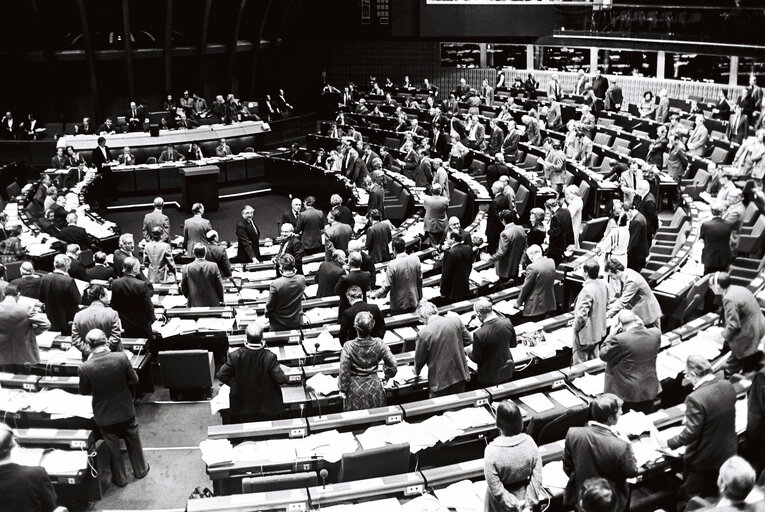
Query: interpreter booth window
{"points": [[628, 62], [698, 68], [748, 66], [564, 58], [460, 55], [511, 56]]}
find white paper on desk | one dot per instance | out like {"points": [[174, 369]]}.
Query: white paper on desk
{"points": [[406, 333], [174, 301], [429, 292], [543, 350], [327, 343], [81, 285], [221, 400], [232, 251], [423, 503], [695, 346], [742, 409], [215, 324], [538, 402], [459, 495], [645, 450], [323, 384], [442, 427], [566, 398], [311, 267], [45, 339], [391, 337], [27, 456], [311, 290], [253, 294], [553, 476], [563, 336], [58, 462], [505, 308], [527, 327], [633, 423], [27, 301], [341, 444], [470, 417], [319, 315], [591, 385], [217, 452], [420, 437]]}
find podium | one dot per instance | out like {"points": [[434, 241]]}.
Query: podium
{"points": [[199, 185]]}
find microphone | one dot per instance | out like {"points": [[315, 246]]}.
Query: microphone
{"points": [[323, 474]]}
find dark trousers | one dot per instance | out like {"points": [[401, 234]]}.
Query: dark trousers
{"points": [[635, 264], [745, 364], [645, 407], [459, 387], [697, 483], [127, 430]]}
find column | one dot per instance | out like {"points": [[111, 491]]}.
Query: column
{"points": [[530, 57], [660, 64], [483, 59], [593, 60], [733, 78]]}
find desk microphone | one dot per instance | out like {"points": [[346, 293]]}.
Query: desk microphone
{"points": [[323, 474]]}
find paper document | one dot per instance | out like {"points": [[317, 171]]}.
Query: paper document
{"points": [[322, 384], [566, 398], [217, 452], [538, 402], [471, 417], [460, 496], [591, 385], [326, 343], [215, 324], [45, 339], [553, 476]]}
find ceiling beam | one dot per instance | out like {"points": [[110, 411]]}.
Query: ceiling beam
{"points": [[128, 50], [97, 110]]}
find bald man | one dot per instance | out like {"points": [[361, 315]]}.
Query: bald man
{"points": [[630, 355], [255, 377]]}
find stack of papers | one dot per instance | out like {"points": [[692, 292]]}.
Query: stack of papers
{"points": [[462, 495], [253, 294], [60, 404], [405, 375], [537, 402], [59, 462], [591, 385], [174, 301], [505, 308], [633, 424], [321, 315], [323, 384], [326, 343], [566, 398], [215, 324], [27, 456], [311, 290], [45, 339], [217, 452], [175, 327], [553, 476], [481, 277], [472, 417], [221, 400]]}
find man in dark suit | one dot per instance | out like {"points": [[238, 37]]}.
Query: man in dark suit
{"points": [[596, 451], [29, 282], [709, 435], [494, 225], [101, 270], [537, 296], [19, 326], [716, 236], [23, 487], [292, 216], [131, 297], [647, 207], [355, 297], [59, 212], [125, 250], [738, 127], [497, 169], [457, 264], [170, 155], [195, 228], [561, 232], [135, 117], [60, 295], [440, 142], [292, 245], [630, 356], [110, 377], [201, 282], [101, 156], [491, 345], [156, 218], [377, 194], [341, 212], [248, 237], [76, 268], [637, 248], [368, 156], [496, 138], [355, 277], [74, 234], [512, 243], [284, 307], [510, 144], [329, 274], [309, 226], [216, 253], [254, 375]]}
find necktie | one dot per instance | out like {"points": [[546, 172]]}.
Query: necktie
{"points": [[634, 181]]}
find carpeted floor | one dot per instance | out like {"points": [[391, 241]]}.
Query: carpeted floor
{"points": [[268, 210]]}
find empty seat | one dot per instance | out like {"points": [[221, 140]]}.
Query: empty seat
{"points": [[522, 200], [13, 190], [151, 160], [279, 482], [477, 167], [584, 191], [392, 459], [719, 155], [604, 139], [184, 370]]}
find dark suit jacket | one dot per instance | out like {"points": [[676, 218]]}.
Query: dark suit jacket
{"points": [[494, 226], [309, 225], [77, 270], [710, 426], [294, 246], [379, 237], [98, 159], [638, 245], [248, 237], [75, 235], [343, 214], [108, 376], [101, 272], [327, 277], [202, 284], [716, 235], [348, 332], [648, 209], [217, 254], [59, 216], [738, 132], [26, 488], [494, 171], [594, 451], [491, 351], [131, 297], [29, 286], [354, 278], [61, 298], [561, 233], [631, 364], [441, 145], [457, 264], [255, 377], [289, 218], [285, 301], [377, 199], [537, 293]]}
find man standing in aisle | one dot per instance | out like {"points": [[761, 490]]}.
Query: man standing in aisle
{"points": [[109, 377], [404, 275], [156, 218], [589, 314], [491, 345]]}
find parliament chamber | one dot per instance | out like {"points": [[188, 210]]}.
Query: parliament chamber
{"points": [[378, 256]]}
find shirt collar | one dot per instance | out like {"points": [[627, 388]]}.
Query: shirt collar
{"points": [[594, 423], [703, 380]]}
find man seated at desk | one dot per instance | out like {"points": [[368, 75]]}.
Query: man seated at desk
{"points": [[171, 155], [126, 158], [135, 117], [59, 161], [108, 127], [223, 149]]}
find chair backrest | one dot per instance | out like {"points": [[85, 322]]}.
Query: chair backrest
{"points": [[701, 178], [151, 160], [602, 138], [12, 270], [621, 143], [512, 182], [186, 368], [279, 482], [605, 165], [677, 218], [546, 428], [477, 167], [86, 258], [249, 150], [719, 155], [521, 200], [759, 226], [392, 142], [750, 214], [392, 459], [13, 190], [593, 230], [584, 191]]}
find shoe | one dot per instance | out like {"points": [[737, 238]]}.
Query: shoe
{"points": [[119, 485], [144, 473]]}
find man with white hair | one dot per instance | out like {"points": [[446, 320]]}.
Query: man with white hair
{"points": [[699, 137], [342, 213], [131, 298], [537, 297], [29, 282], [494, 225], [329, 273], [441, 346], [156, 218], [247, 236], [435, 218], [292, 245], [735, 482], [491, 345], [734, 214], [74, 234], [125, 250], [216, 253], [630, 355], [60, 295], [662, 110], [646, 204], [76, 268], [716, 234]]}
